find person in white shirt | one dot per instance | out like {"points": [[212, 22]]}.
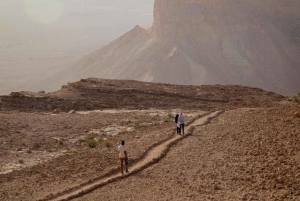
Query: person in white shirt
{"points": [[123, 156]]}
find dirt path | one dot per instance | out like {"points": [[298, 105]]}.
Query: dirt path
{"points": [[150, 158]]}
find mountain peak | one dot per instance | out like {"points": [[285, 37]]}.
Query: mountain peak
{"points": [[194, 42]]}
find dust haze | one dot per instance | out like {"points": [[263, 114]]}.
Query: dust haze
{"points": [[39, 39], [46, 44], [240, 42]]}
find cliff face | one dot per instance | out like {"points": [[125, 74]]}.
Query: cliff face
{"points": [[245, 42], [185, 16]]}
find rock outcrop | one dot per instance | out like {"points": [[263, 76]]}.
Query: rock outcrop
{"points": [[246, 42], [99, 94]]}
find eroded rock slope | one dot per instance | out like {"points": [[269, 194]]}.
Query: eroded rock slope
{"points": [[252, 43]]}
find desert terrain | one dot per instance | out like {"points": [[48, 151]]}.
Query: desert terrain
{"points": [[242, 143]]}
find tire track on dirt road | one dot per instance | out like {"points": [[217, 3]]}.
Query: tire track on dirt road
{"points": [[153, 156]]}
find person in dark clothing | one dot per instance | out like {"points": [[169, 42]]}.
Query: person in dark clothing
{"points": [[177, 125], [176, 118]]}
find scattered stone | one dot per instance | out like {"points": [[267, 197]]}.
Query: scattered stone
{"points": [[15, 94], [297, 114], [95, 132], [71, 112], [57, 111]]}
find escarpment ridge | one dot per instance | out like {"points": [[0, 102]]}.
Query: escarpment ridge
{"points": [[99, 94], [195, 42]]}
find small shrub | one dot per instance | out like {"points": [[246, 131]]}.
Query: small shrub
{"points": [[60, 142], [141, 126], [36, 145], [21, 161], [123, 132], [297, 98], [91, 143], [166, 118], [156, 123], [107, 144]]}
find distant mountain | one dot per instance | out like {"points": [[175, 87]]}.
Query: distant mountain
{"points": [[42, 38], [193, 42]]}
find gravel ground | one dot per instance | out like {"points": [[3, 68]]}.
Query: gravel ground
{"points": [[66, 161], [250, 153], [246, 154]]}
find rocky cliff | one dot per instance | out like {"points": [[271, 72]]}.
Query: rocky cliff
{"points": [[245, 42], [185, 16]]}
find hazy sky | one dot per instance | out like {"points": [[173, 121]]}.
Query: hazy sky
{"points": [[54, 27]]}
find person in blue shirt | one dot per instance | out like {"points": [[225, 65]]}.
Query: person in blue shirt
{"points": [[182, 122]]}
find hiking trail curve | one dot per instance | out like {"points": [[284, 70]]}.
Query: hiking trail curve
{"points": [[151, 157]]}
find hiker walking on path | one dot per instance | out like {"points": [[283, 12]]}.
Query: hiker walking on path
{"points": [[123, 157], [182, 122], [177, 124]]}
